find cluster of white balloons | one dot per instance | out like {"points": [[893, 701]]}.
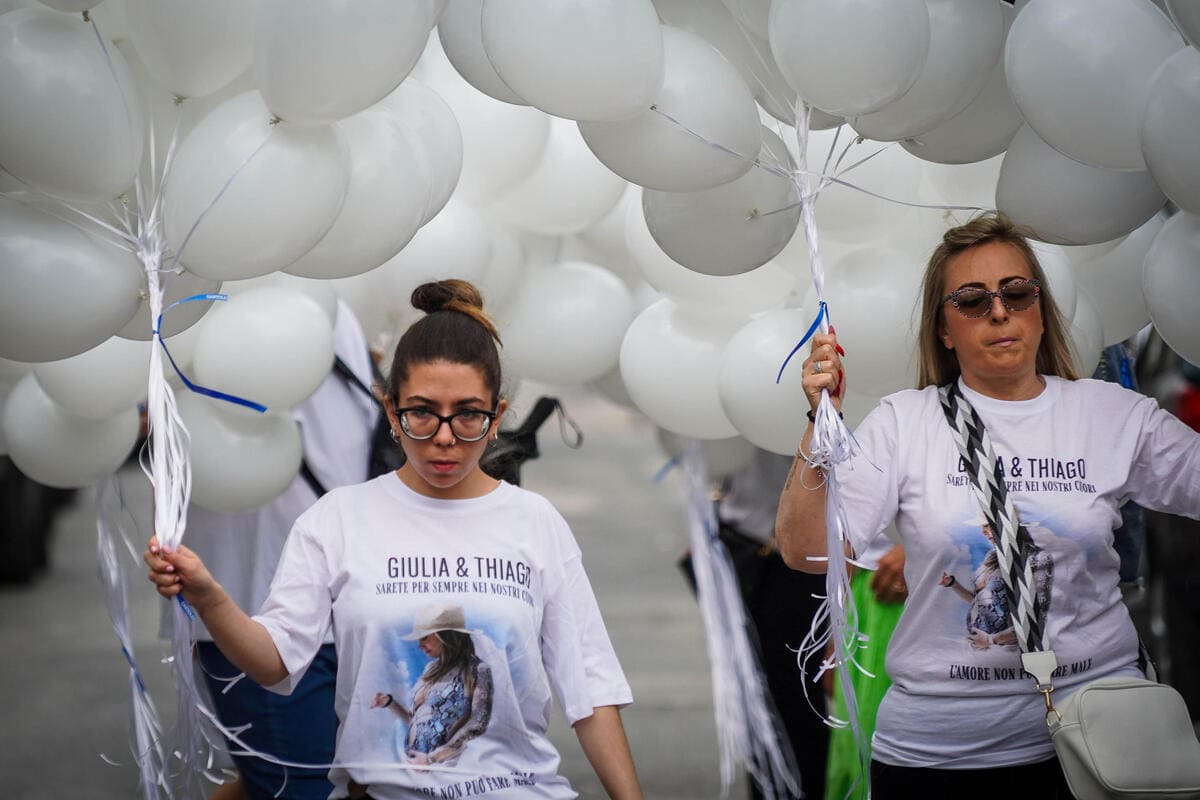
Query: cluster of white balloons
{"points": [[619, 177]]}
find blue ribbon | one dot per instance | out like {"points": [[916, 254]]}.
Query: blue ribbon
{"points": [[229, 398], [822, 313], [665, 469], [137, 675]]}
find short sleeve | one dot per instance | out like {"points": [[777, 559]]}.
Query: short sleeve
{"points": [[579, 657], [297, 611], [868, 482], [1165, 474]]}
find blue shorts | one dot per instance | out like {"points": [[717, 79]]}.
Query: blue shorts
{"points": [[300, 727]]}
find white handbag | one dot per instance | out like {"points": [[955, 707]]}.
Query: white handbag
{"points": [[1126, 738]]}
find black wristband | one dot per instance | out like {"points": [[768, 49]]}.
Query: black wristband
{"points": [[813, 418], [952, 580], [389, 702]]}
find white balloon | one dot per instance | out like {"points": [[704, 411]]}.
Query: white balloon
{"points": [[1169, 124], [460, 30], [850, 58], [437, 139], [599, 60], [752, 15], [13, 371], [1113, 282], [245, 197], [501, 142], [386, 198], [971, 184], [238, 462], [177, 286], [977, 133], [269, 345], [1186, 16], [314, 61], [769, 286], [192, 48], [64, 292], [456, 243], [731, 228], [567, 324], [965, 44], [171, 118], [702, 131], [847, 211], [10, 373], [769, 413], [57, 448], [605, 239], [182, 350], [71, 6], [567, 191], [750, 53], [1059, 274], [13, 5], [872, 294], [1171, 281], [110, 378], [1086, 336], [1079, 86], [669, 364], [611, 385], [501, 281], [1067, 202], [722, 457], [72, 125], [322, 291]]}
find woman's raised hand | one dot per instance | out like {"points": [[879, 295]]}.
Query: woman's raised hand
{"points": [[823, 370], [181, 571]]}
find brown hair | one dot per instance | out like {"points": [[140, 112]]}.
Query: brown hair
{"points": [[454, 329], [937, 364], [458, 651]]}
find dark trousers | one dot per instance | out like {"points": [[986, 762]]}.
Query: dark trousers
{"points": [[1041, 781], [780, 603], [300, 727]]}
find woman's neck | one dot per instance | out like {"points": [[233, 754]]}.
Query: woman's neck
{"points": [[1006, 388]]}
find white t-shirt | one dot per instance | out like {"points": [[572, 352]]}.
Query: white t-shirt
{"points": [[367, 561], [1071, 457], [336, 422]]}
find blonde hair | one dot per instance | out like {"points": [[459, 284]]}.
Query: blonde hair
{"points": [[937, 364]]}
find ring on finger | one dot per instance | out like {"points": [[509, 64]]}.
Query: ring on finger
{"points": [[816, 367]]}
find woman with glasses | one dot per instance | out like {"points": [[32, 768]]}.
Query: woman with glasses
{"points": [[960, 718], [367, 562]]}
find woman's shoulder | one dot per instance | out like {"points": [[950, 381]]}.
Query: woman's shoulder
{"points": [[527, 500], [336, 501], [1097, 393]]}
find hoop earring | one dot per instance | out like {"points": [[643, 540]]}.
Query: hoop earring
{"points": [[395, 436]]}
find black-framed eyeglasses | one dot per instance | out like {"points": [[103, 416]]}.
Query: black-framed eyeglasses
{"points": [[468, 425], [973, 302]]}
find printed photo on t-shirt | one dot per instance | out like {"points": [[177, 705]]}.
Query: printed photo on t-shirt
{"points": [[453, 699], [988, 618]]}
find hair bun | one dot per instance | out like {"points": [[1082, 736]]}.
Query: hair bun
{"points": [[451, 294]]}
